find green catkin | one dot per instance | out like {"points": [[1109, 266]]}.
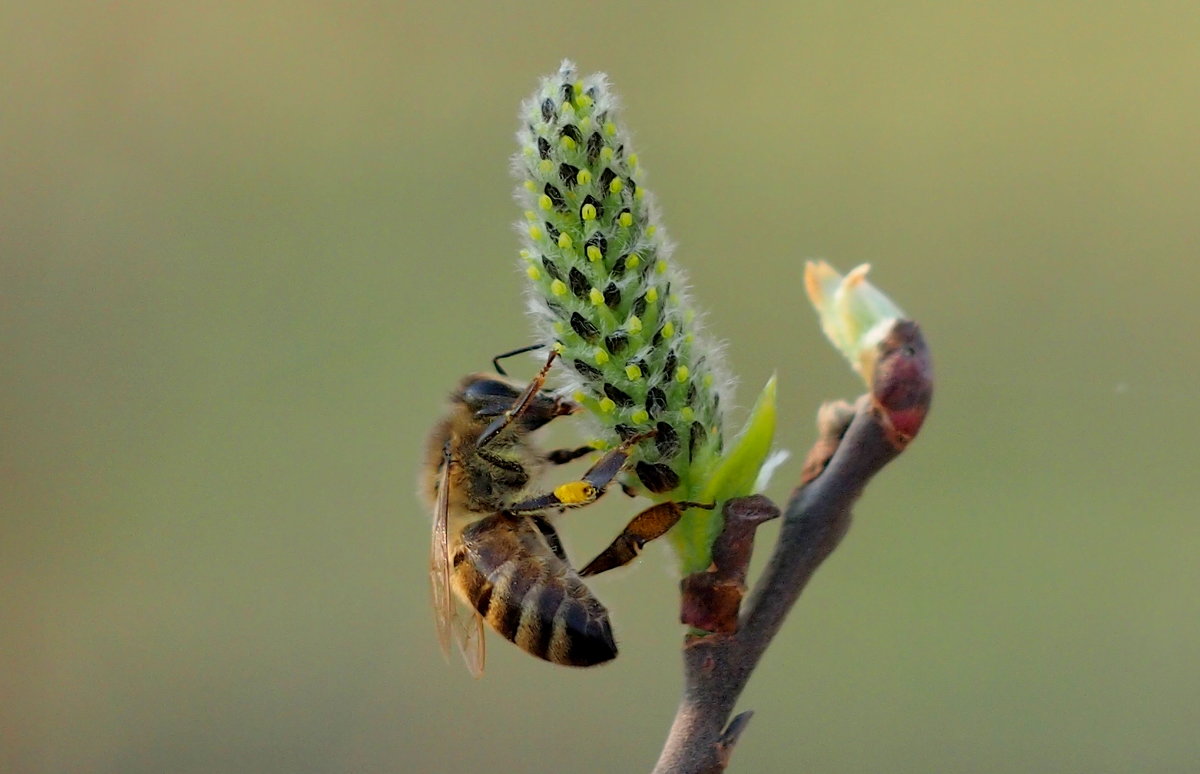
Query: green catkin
{"points": [[603, 286]]}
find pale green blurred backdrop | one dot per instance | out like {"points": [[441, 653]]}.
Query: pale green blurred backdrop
{"points": [[245, 249]]}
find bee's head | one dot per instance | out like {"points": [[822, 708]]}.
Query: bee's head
{"points": [[488, 397]]}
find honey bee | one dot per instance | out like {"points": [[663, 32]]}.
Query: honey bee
{"points": [[493, 544]]}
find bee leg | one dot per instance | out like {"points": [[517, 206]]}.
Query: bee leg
{"points": [[519, 351], [652, 523], [521, 405], [551, 536], [588, 489], [563, 456]]}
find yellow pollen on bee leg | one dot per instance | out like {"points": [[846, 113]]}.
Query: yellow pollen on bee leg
{"points": [[575, 492]]}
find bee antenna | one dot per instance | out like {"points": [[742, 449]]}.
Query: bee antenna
{"points": [[496, 360]]}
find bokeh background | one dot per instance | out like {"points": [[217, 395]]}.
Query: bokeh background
{"points": [[247, 247]]}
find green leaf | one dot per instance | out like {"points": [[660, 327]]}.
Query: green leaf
{"points": [[733, 476]]}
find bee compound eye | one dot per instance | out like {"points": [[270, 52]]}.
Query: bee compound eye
{"points": [[484, 391]]}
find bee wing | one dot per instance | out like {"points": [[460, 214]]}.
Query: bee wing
{"points": [[439, 558], [471, 643], [447, 616]]}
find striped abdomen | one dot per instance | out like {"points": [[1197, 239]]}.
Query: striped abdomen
{"points": [[511, 569]]}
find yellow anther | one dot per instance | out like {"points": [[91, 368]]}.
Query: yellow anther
{"points": [[606, 153], [650, 230], [545, 166], [616, 185], [559, 347], [530, 185], [641, 194], [577, 88], [633, 160], [689, 316], [610, 128], [567, 143], [633, 372], [533, 272], [583, 101], [575, 493], [584, 177], [535, 233], [579, 397], [599, 444], [635, 324], [607, 405], [530, 215], [668, 329], [544, 202], [600, 356], [681, 374], [688, 338], [588, 212], [585, 123], [626, 219], [596, 297], [564, 240], [593, 253], [639, 416], [558, 327], [708, 380], [661, 266], [632, 261], [652, 295], [558, 287], [687, 413], [525, 254]]}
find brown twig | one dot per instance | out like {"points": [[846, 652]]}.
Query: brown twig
{"points": [[852, 448]]}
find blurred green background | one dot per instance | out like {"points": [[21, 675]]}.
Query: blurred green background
{"points": [[246, 248]]}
